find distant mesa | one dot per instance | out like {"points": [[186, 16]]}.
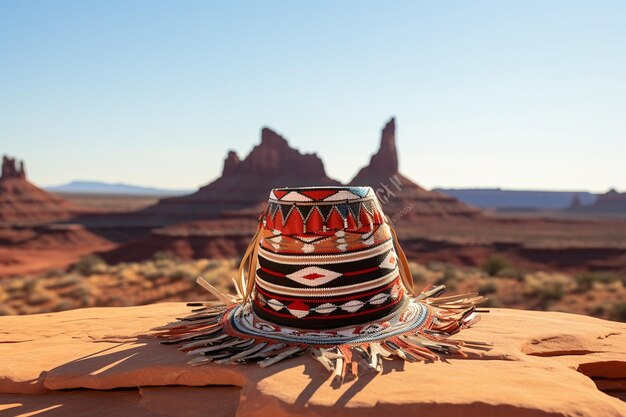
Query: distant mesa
{"points": [[519, 200], [611, 202], [23, 202], [399, 194], [246, 183]]}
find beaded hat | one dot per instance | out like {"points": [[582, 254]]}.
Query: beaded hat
{"points": [[324, 273]]}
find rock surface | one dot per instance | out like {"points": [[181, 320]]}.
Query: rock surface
{"points": [[98, 361]]}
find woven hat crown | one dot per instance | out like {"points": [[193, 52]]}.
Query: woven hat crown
{"points": [[325, 259]]}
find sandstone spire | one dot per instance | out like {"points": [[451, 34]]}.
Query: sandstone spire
{"points": [[12, 168], [383, 163]]}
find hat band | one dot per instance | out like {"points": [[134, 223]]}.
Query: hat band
{"points": [[359, 309]]}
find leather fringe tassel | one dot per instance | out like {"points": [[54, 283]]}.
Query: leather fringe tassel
{"points": [[201, 335]]}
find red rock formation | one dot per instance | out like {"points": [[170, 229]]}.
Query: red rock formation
{"points": [[11, 168], [231, 163], [23, 202], [383, 163], [400, 196], [612, 202], [243, 184]]}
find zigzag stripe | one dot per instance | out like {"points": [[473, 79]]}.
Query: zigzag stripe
{"points": [[326, 259]]}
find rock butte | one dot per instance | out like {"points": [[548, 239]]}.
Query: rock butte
{"points": [[246, 183], [23, 202], [72, 363], [609, 202], [399, 194]]}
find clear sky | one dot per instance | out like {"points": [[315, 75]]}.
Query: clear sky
{"points": [[525, 94]]}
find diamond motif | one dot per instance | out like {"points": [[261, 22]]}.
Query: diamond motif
{"points": [[313, 276], [378, 298], [325, 308], [352, 306], [298, 309], [275, 304], [390, 261]]}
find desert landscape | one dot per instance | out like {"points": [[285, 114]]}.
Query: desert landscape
{"points": [[186, 227], [60, 252]]}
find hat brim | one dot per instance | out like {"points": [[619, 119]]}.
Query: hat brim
{"points": [[241, 321]]}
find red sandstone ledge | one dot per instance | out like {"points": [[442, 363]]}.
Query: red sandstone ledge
{"points": [[543, 364]]}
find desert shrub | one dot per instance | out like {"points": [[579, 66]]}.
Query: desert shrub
{"points": [[511, 272], [6, 310], [29, 285], [551, 291], [163, 255], [150, 271], [16, 284], [54, 273], [418, 277], [548, 287], [63, 282], [63, 305], [449, 278], [619, 312], [90, 265], [39, 296], [184, 272], [489, 287], [492, 302], [81, 294], [495, 264], [598, 310], [586, 280], [420, 274]]}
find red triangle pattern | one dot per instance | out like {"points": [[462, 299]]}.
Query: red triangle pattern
{"points": [[318, 195], [315, 223], [280, 193]]}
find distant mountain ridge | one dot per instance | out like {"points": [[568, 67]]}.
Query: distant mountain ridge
{"points": [[497, 198], [98, 187]]}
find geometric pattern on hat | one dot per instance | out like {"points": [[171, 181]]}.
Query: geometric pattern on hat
{"points": [[322, 210], [337, 242], [335, 274], [327, 290], [312, 276], [414, 315], [324, 307], [322, 275]]}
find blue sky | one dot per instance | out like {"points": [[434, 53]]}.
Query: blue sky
{"points": [[528, 94]]}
